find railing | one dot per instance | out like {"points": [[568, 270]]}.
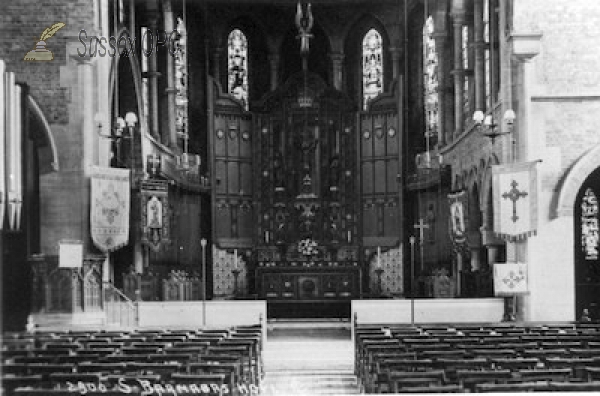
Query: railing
{"points": [[119, 309]]}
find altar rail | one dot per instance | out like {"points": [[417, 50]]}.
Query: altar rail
{"points": [[438, 310]]}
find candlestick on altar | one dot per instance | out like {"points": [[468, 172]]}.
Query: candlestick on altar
{"points": [[235, 259], [378, 256]]}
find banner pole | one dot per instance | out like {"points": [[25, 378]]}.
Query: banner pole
{"points": [[203, 245]]}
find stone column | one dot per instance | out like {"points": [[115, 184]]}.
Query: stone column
{"points": [[396, 54], [217, 65], [152, 75], [171, 132], [459, 73], [274, 63], [440, 44], [337, 62], [479, 49]]}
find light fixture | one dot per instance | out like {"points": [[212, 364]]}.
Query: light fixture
{"points": [[116, 131], [490, 128]]}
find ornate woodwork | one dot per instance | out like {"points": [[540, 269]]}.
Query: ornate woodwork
{"points": [[66, 290]]}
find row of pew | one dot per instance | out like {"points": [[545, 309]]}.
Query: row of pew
{"points": [[208, 362], [477, 358]]}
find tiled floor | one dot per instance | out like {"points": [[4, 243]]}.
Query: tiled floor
{"points": [[305, 360]]}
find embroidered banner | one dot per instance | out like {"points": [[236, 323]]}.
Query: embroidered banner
{"points": [[155, 213], [515, 200], [458, 218], [109, 212], [510, 279]]}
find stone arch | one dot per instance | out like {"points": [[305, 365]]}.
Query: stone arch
{"points": [[572, 182], [137, 82], [47, 151]]}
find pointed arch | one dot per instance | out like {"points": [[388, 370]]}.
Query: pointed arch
{"points": [[573, 180], [47, 141]]}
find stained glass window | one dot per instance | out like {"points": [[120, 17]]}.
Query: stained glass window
{"points": [[465, 53], [372, 61], [237, 55], [181, 76], [430, 78], [589, 225]]}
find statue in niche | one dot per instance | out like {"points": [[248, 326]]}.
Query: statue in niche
{"points": [[304, 23]]}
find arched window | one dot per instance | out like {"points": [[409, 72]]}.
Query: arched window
{"points": [[181, 75], [430, 79], [372, 65], [237, 56], [589, 225]]}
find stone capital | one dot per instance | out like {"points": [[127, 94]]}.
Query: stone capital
{"points": [[525, 45], [337, 56]]}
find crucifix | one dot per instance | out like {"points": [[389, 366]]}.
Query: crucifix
{"points": [[421, 226], [513, 194]]}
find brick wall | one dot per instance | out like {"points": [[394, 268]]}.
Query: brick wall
{"points": [[54, 86]]}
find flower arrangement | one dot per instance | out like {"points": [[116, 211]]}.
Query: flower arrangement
{"points": [[307, 247]]}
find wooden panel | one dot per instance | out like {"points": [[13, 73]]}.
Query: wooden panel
{"points": [[220, 138], [380, 177], [392, 135], [366, 137], [233, 139], [246, 139], [246, 223], [223, 222], [369, 221], [392, 173], [233, 178], [391, 220], [367, 178], [221, 177], [246, 177]]}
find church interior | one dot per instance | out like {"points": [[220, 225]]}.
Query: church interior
{"points": [[299, 197]]}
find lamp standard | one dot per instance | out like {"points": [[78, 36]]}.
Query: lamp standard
{"points": [[491, 129], [203, 246], [412, 241]]}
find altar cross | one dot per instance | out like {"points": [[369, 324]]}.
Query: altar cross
{"points": [[421, 226], [513, 194]]}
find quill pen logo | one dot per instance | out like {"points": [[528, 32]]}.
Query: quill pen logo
{"points": [[40, 52]]}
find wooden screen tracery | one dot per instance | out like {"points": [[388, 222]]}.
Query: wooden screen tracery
{"points": [[231, 137], [380, 167]]}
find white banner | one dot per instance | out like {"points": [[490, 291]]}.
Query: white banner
{"points": [[510, 279], [515, 200], [110, 205]]}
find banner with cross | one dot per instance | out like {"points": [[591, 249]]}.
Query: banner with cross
{"points": [[515, 200], [510, 279]]}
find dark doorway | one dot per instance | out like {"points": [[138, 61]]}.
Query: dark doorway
{"points": [[587, 249]]}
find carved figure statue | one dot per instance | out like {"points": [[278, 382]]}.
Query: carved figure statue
{"points": [[304, 23]]}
